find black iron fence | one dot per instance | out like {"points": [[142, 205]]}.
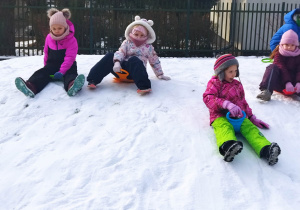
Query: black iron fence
{"points": [[183, 28]]}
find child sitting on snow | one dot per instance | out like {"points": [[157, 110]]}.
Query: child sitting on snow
{"points": [[284, 73], [59, 60], [132, 56], [225, 94]]}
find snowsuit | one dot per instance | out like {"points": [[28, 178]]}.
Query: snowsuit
{"points": [[284, 69], [59, 57], [216, 93], [289, 24], [133, 59]]}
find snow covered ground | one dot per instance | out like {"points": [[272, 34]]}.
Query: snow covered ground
{"points": [[111, 148]]}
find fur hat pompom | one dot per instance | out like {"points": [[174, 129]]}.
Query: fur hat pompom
{"points": [[51, 12], [67, 13]]}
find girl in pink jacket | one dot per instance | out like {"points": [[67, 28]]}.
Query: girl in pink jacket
{"points": [[132, 56], [59, 60], [225, 94]]}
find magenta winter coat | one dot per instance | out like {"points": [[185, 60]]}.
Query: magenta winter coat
{"points": [[68, 44], [289, 68], [217, 92]]}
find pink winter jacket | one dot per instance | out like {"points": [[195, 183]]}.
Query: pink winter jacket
{"points": [[69, 44], [144, 52], [217, 92]]}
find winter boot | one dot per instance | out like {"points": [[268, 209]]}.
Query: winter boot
{"points": [[231, 149], [271, 153], [143, 92], [264, 95], [25, 87], [76, 85], [91, 85]]}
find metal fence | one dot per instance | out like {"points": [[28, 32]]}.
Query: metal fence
{"points": [[183, 28]]}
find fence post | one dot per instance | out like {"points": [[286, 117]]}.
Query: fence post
{"points": [[187, 29], [91, 27], [282, 12]]}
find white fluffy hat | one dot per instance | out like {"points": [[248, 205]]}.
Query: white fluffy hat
{"points": [[147, 24]]}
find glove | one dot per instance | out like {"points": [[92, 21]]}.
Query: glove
{"points": [[297, 87], [234, 110], [117, 67], [164, 77], [58, 75], [258, 122], [289, 87]]}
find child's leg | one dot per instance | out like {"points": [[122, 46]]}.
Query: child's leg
{"points": [[253, 135], [102, 69], [40, 79], [226, 139], [137, 72], [70, 76], [224, 132], [272, 79]]}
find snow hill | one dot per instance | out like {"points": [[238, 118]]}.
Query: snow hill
{"points": [[111, 148]]}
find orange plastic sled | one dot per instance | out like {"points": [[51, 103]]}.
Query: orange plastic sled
{"points": [[122, 77]]}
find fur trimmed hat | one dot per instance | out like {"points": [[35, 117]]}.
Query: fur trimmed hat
{"points": [[290, 37], [222, 63], [59, 17], [147, 24]]}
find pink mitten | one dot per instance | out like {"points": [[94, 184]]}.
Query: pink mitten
{"points": [[297, 87], [289, 87], [258, 123], [234, 110]]}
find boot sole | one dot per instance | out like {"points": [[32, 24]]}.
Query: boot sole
{"points": [[78, 83], [274, 153], [143, 92], [232, 151], [21, 85]]}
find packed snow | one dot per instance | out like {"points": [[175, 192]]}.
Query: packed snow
{"points": [[110, 148]]}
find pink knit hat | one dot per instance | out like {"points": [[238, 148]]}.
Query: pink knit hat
{"points": [[59, 17], [290, 37]]}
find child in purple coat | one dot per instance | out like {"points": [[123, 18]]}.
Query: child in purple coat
{"points": [[60, 52], [225, 94], [284, 74], [132, 56]]}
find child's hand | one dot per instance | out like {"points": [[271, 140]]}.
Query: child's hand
{"points": [[234, 110], [297, 87], [58, 75], [164, 77], [289, 87], [258, 123], [117, 67]]}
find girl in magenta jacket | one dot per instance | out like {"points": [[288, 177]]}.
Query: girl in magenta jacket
{"points": [[225, 94], [60, 52]]}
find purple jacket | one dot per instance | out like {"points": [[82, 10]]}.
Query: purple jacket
{"points": [[289, 68], [217, 92], [61, 54]]}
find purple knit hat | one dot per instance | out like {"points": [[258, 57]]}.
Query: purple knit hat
{"points": [[222, 63], [290, 37]]}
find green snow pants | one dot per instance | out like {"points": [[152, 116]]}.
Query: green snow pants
{"points": [[224, 132]]}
